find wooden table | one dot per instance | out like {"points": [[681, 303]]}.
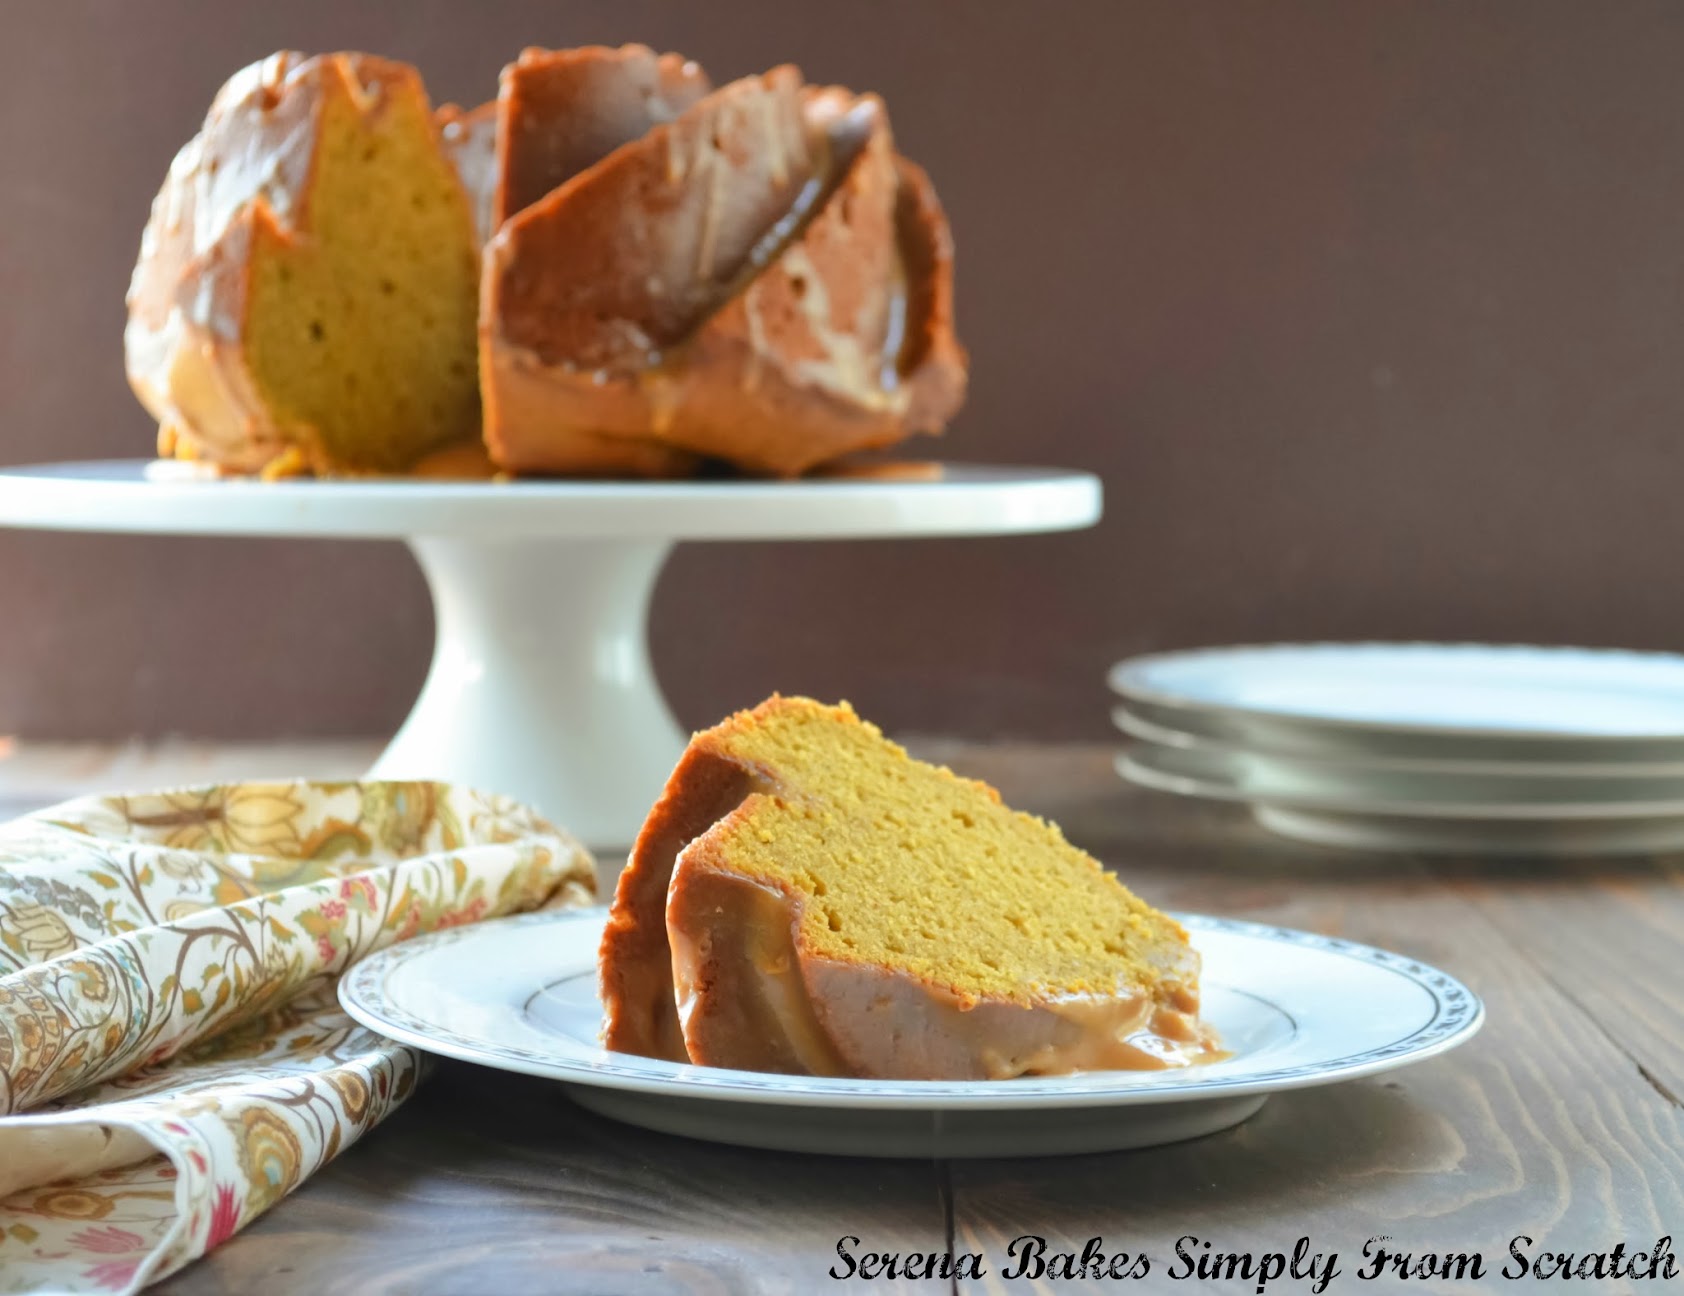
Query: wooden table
{"points": [[1561, 1121]]}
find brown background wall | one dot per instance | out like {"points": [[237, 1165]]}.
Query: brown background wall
{"points": [[1369, 314]]}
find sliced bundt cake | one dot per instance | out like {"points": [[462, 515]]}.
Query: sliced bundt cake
{"points": [[807, 898], [672, 276]]}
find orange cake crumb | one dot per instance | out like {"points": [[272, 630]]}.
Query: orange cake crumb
{"points": [[907, 864]]}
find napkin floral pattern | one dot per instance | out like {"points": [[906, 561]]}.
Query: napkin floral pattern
{"points": [[173, 1060]]}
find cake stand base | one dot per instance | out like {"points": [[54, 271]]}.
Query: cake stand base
{"points": [[541, 686]]}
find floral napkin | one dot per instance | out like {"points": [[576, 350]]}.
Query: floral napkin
{"points": [[173, 1060]]}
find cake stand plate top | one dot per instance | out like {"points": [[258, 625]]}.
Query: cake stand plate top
{"points": [[135, 495], [541, 685]]}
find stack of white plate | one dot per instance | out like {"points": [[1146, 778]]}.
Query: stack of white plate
{"points": [[1461, 748]]}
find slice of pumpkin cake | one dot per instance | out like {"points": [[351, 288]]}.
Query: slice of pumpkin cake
{"points": [[308, 284], [807, 898]]}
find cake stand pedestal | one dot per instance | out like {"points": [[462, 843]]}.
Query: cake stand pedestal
{"points": [[541, 685]]}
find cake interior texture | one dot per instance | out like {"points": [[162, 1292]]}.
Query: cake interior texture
{"points": [[905, 864], [361, 324], [806, 897]]}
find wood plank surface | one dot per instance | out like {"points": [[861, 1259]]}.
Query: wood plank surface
{"points": [[487, 1183], [1560, 1121], [1610, 938]]}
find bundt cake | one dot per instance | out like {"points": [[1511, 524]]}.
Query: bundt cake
{"points": [[635, 273], [305, 298], [807, 898]]}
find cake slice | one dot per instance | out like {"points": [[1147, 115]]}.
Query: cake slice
{"points": [[807, 898], [307, 288]]}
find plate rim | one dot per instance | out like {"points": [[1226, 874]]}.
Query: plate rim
{"points": [[970, 499], [1145, 729], [1458, 1014], [1130, 765], [1121, 679]]}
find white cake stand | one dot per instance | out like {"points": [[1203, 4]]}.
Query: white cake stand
{"points": [[540, 685]]}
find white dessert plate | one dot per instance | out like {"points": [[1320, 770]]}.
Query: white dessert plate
{"points": [[1415, 796], [1295, 1009], [1550, 793], [1515, 839], [1467, 701], [1523, 831], [1139, 720]]}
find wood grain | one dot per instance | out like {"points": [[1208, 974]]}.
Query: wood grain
{"points": [[1559, 1121], [1609, 939], [492, 1183]]}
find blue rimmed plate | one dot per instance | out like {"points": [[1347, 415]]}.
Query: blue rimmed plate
{"points": [[1295, 1010]]}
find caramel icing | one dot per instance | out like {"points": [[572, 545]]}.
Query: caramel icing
{"points": [[187, 296], [636, 962], [469, 140], [747, 998], [561, 112]]}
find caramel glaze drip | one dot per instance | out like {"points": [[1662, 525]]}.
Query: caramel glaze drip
{"points": [[747, 999], [837, 137]]}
